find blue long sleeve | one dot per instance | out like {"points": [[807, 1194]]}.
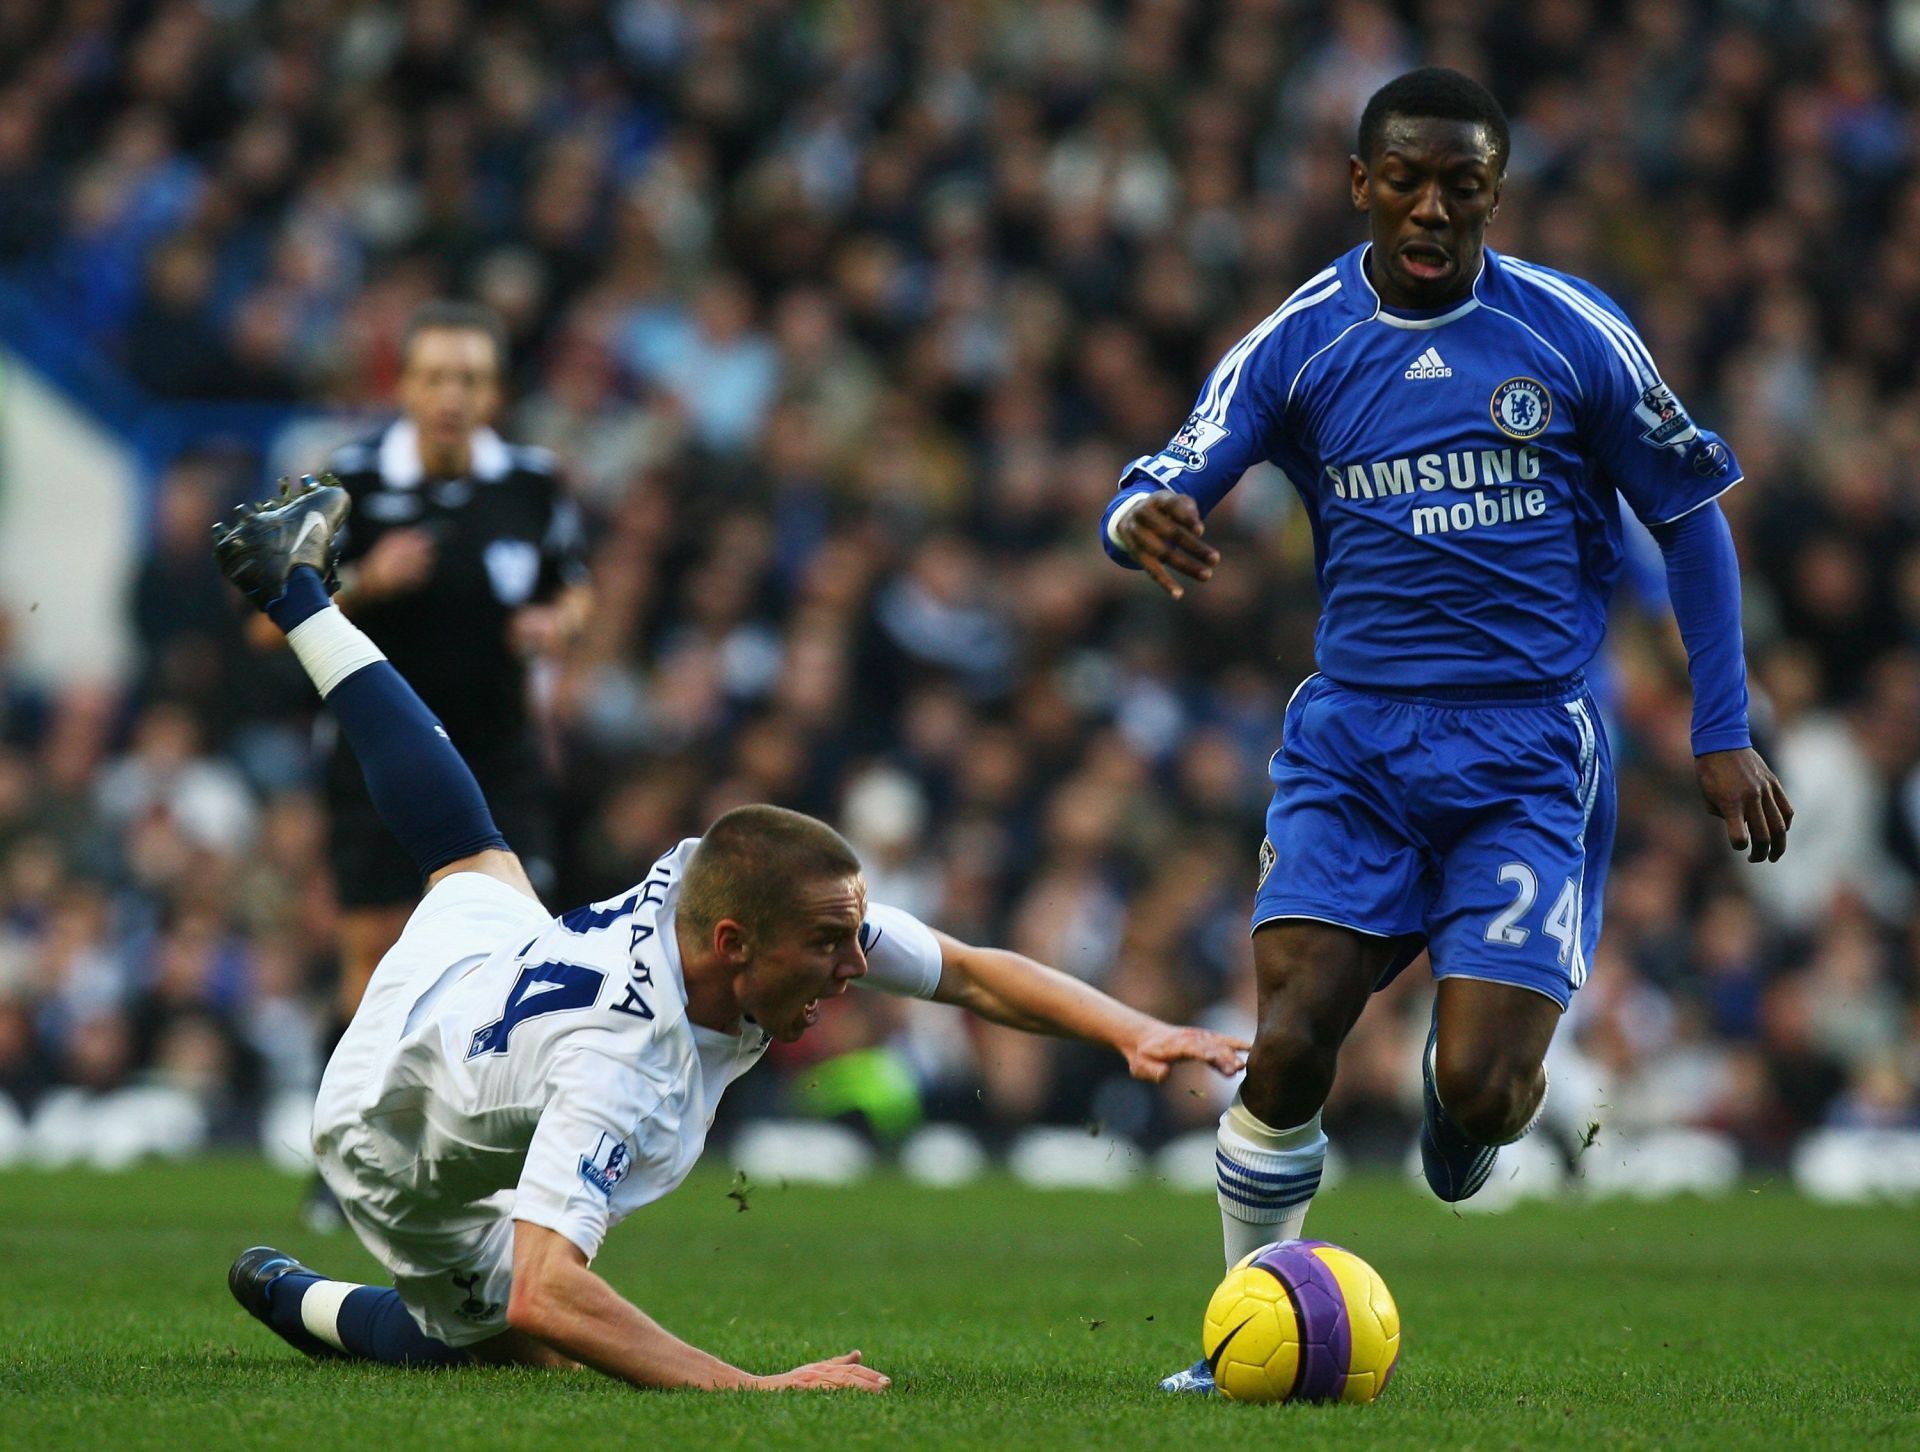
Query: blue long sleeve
{"points": [[1703, 581]]}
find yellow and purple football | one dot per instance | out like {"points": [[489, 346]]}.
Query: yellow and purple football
{"points": [[1302, 1321]]}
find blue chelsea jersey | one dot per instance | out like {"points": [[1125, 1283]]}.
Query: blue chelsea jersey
{"points": [[1459, 468]]}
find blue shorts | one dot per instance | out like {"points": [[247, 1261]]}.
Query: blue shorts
{"points": [[1477, 827]]}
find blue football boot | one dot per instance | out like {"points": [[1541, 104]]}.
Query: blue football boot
{"points": [[1455, 1166]]}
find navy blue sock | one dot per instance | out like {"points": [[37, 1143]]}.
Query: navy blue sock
{"points": [[372, 1323], [420, 785], [305, 595], [283, 1303]]}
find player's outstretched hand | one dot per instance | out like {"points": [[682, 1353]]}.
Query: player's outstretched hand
{"points": [[1164, 536], [1160, 1048], [1748, 797], [838, 1373]]}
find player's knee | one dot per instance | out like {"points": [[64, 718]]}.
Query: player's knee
{"points": [[1285, 1045], [1289, 1071], [1312, 987], [1301, 1024], [1489, 1094]]}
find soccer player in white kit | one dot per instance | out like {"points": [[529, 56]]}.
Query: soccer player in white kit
{"points": [[515, 1083]]}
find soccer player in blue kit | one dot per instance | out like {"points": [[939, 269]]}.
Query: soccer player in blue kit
{"points": [[1460, 426]]}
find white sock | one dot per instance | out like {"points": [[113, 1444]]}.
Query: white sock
{"points": [[320, 1306], [1266, 1178], [331, 648]]}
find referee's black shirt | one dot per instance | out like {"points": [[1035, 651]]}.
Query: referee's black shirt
{"points": [[505, 536]]}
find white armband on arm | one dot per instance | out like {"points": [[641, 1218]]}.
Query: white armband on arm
{"points": [[903, 956]]}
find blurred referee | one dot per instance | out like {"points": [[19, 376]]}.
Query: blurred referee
{"points": [[462, 560]]}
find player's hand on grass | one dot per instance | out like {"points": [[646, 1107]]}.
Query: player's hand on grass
{"points": [[1163, 535], [1747, 796], [1161, 1047], [400, 561], [838, 1373]]}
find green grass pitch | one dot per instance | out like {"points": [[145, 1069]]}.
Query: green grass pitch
{"points": [[1008, 1318]]}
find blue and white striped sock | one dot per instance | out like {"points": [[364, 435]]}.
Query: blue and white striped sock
{"points": [[1266, 1177]]}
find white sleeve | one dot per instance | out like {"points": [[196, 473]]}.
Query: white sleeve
{"points": [[903, 956], [607, 1143]]}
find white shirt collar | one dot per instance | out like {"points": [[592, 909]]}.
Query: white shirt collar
{"points": [[400, 466]]}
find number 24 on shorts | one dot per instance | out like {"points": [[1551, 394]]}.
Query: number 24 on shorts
{"points": [[1563, 920]]}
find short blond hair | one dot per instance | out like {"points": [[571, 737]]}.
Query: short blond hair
{"points": [[753, 863]]}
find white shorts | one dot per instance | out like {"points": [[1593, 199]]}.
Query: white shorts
{"points": [[453, 1266]]}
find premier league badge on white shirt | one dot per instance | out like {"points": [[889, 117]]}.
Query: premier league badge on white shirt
{"points": [[607, 1166]]}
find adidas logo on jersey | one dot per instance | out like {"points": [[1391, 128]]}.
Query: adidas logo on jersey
{"points": [[1429, 365]]}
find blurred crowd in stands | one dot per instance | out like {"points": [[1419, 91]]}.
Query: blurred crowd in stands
{"points": [[844, 318]]}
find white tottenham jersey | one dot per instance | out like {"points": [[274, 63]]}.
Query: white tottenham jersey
{"points": [[567, 1070]]}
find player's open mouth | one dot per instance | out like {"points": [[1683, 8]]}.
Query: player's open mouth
{"points": [[1425, 262]]}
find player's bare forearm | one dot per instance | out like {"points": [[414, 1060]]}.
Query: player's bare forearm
{"points": [[558, 1301], [1009, 988]]}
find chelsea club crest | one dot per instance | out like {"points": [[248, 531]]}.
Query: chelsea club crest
{"points": [[1522, 407]]}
